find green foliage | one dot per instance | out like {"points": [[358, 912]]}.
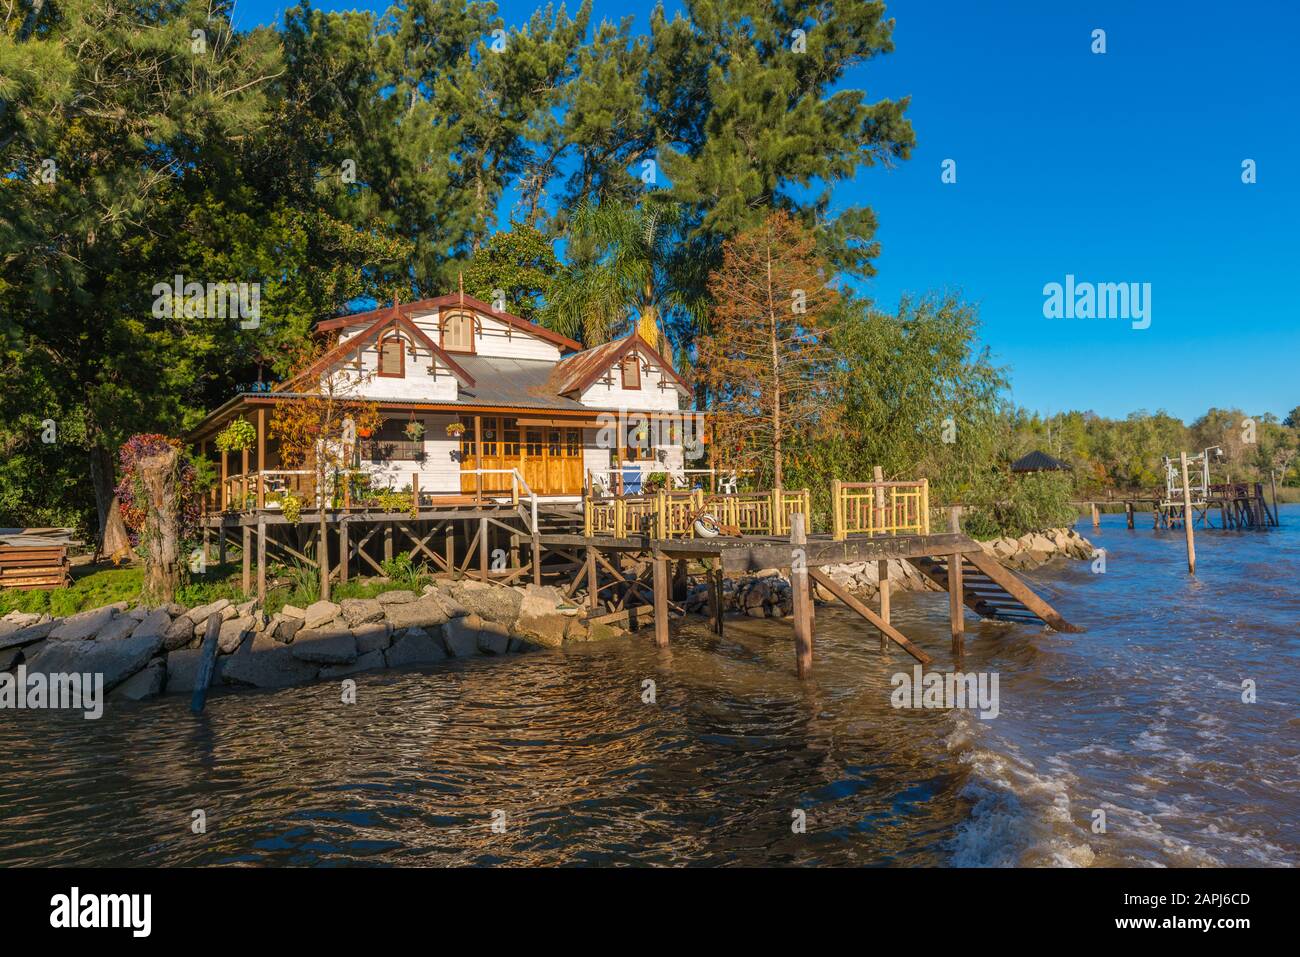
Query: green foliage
{"points": [[240, 434], [88, 590], [519, 262], [1010, 505], [291, 507], [403, 572]]}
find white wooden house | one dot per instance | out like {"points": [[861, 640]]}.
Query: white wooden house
{"points": [[523, 398]]}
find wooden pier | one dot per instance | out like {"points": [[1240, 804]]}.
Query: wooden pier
{"points": [[632, 555]]}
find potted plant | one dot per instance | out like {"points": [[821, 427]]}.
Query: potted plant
{"points": [[414, 430], [236, 437], [456, 429]]}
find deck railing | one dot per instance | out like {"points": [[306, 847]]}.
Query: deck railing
{"points": [[880, 508], [672, 514]]}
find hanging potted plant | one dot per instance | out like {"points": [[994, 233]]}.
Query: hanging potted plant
{"points": [[456, 429], [365, 432], [236, 437], [414, 430]]}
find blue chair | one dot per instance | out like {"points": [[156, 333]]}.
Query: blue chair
{"points": [[632, 481]]}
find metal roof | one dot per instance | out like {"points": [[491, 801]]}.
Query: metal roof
{"points": [[1039, 462]]}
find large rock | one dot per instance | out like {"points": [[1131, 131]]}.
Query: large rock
{"points": [[233, 633], [10, 657], [493, 602], [461, 636], [199, 616], [27, 635], [147, 683], [293, 611], [19, 619], [179, 634], [85, 624], [157, 622], [540, 621], [360, 611], [120, 627], [183, 670], [320, 613], [493, 637], [264, 663], [427, 612], [115, 660], [450, 604], [398, 597], [416, 647], [286, 630], [376, 636], [367, 662], [325, 646]]}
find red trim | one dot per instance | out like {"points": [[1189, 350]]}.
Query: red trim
{"points": [[452, 299]]}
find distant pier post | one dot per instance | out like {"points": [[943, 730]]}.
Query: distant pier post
{"points": [[1187, 518], [1096, 515]]}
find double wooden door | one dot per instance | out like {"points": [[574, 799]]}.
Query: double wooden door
{"points": [[548, 457]]}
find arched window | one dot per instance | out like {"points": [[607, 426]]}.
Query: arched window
{"points": [[631, 372], [392, 357], [458, 332]]}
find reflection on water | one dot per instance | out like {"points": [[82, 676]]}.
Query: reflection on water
{"points": [[1140, 717]]}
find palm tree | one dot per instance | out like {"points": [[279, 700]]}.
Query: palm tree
{"points": [[629, 261]]}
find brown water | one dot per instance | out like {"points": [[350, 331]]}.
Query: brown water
{"points": [[1141, 716]]}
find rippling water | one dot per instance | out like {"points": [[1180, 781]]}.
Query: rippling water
{"points": [[1140, 717]]}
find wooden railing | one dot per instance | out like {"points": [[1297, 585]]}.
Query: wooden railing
{"points": [[666, 514], [880, 508]]}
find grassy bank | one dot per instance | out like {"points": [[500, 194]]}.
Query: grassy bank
{"points": [[94, 586]]}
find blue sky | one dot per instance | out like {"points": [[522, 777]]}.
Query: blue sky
{"points": [[1115, 167]]}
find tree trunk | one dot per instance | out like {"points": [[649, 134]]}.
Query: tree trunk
{"points": [[101, 478], [161, 536], [322, 540]]}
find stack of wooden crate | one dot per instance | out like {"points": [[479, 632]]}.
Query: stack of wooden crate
{"points": [[34, 566]]}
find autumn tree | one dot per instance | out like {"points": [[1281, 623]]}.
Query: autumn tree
{"points": [[318, 430], [767, 361]]}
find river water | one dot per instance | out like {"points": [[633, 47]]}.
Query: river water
{"points": [[1141, 717]]}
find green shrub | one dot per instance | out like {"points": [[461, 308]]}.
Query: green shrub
{"points": [[403, 572], [1012, 506]]}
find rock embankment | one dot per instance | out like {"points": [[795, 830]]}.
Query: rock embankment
{"points": [[767, 594], [143, 652]]}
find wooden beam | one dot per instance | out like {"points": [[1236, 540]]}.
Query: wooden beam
{"points": [[956, 604], [803, 627], [661, 601], [894, 635], [261, 562], [261, 458], [246, 561]]}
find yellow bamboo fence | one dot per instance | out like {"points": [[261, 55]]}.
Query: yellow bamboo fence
{"points": [[667, 514], [880, 508]]}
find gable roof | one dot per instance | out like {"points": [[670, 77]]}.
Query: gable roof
{"points": [[1039, 462], [576, 373], [391, 317], [453, 299]]}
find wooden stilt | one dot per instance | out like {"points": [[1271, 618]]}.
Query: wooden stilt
{"points": [[221, 545], [716, 607], [246, 560], [207, 662], [661, 600], [1128, 514], [323, 561], [482, 541], [593, 589], [388, 541], [1096, 516], [1187, 518], [956, 606], [854, 604], [261, 559], [882, 583], [345, 550], [803, 629], [537, 560]]}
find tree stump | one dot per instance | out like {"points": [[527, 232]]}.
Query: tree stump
{"points": [[159, 477]]}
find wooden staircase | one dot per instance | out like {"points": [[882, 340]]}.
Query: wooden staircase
{"points": [[993, 591]]}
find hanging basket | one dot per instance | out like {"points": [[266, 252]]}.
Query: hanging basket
{"points": [[456, 429]]}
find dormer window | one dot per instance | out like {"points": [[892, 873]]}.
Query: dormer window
{"points": [[458, 332], [392, 357], [631, 373]]}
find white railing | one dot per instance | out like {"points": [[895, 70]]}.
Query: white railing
{"points": [[607, 479]]}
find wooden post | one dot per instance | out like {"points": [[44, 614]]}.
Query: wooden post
{"points": [[803, 629], [246, 560], [388, 541], [345, 548], [221, 544], [954, 518], [661, 599], [1096, 515], [207, 495], [593, 588], [1272, 482], [878, 476], [482, 544], [261, 458], [1128, 514], [261, 559], [225, 474], [207, 661], [243, 485], [537, 560], [323, 561], [450, 539], [415, 491], [1187, 517], [956, 607], [715, 598], [478, 467], [882, 584], [618, 461]]}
